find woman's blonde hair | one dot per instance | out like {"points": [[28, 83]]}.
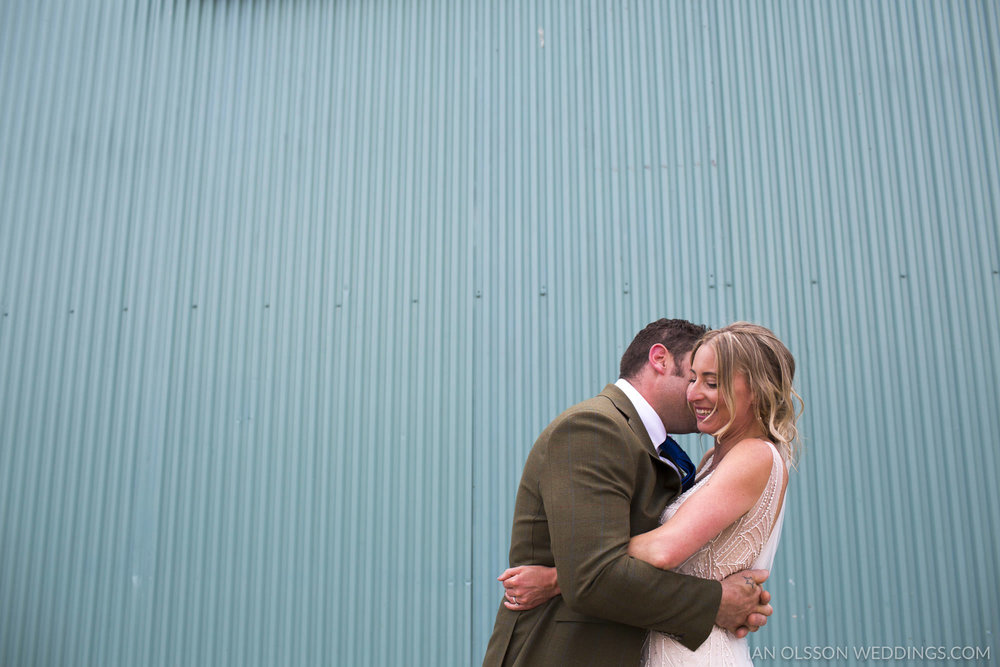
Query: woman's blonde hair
{"points": [[769, 368]]}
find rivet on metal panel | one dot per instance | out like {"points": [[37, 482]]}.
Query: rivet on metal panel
{"points": [[479, 294], [542, 291]]}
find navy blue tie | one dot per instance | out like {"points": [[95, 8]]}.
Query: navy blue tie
{"points": [[672, 451]]}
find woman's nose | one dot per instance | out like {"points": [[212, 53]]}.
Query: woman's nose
{"points": [[692, 391]]}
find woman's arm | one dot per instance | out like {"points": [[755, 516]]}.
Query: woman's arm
{"points": [[729, 493], [527, 586]]}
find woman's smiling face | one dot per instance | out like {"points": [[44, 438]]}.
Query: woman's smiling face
{"points": [[710, 408]]}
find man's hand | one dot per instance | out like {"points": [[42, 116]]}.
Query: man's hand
{"points": [[527, 586], [745, 604]]}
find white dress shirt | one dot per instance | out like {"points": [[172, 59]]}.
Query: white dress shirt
{"points": [[654, 425]]}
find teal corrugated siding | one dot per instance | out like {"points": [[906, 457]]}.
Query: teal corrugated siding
{"points": [[287, 289], [232, 269]]}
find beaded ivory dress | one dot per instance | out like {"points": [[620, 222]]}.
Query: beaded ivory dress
{"points": [[749, 543]]}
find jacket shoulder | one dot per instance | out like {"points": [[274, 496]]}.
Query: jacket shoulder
{"points": [[601, 407]]}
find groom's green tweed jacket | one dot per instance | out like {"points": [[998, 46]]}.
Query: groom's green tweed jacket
{"points": [[591, 481]]}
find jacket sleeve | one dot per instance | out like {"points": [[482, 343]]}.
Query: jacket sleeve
{"points": [[587, 481]]}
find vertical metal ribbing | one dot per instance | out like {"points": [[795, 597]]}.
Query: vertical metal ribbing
{"points": [[288, 289]]}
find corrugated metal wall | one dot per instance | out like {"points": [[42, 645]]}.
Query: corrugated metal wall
{"points": [[236, 282], [289, 288]]}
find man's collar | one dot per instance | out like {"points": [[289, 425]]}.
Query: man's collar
{"points": [[654, 425]]}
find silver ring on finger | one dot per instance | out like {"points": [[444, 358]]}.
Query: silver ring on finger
{"points": [[513, 599]]}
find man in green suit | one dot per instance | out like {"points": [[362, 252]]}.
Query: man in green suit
{"points": [[592, 480]]}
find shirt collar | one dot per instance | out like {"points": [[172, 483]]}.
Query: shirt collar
{"points": [[654, 425]]}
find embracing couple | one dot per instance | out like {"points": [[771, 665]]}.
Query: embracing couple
{"points": [[621, 553]]}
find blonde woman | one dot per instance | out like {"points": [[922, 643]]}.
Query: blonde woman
{"points": [[741, 393]]}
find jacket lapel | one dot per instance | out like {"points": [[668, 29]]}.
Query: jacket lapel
{"points": [[625, 407]]}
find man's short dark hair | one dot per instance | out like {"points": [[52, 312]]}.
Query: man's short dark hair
{"points": [[678, 336]]}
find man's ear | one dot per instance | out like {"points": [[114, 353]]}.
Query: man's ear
{"points": [[660, 359]]}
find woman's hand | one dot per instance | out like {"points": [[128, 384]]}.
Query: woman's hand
{"points": [[527, 586]]}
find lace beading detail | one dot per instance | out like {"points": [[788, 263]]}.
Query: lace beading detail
{"points": [[735, 548]]}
